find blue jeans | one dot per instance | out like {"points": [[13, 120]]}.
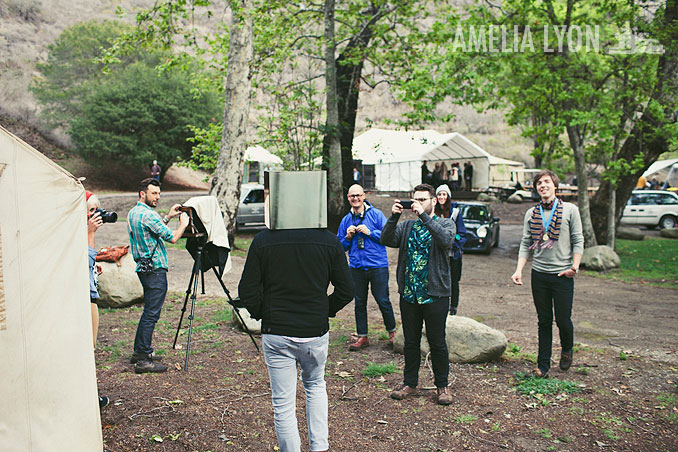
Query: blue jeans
{"points": [[552, 293], [155, 289], [282, 356], [378, 279], [413, 317]]}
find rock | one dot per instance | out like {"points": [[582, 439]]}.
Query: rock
{"points": [[515, 199], [468, 341], [254, 326], [669, 233], [119, 286], [600, 258], [629, 233], [492, 199], [484, 197]]}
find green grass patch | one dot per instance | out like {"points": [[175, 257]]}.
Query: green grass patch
{"points": [[653, 261], [540, 387], [181, 244], [466, 419], [514, 351], [376, 370], [243, 240]]}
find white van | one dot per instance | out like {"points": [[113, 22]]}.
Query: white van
{"points": [[651, 208]]}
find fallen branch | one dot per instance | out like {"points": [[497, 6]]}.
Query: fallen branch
{"points": [[503, 446], [140, 413], [345, 391]]}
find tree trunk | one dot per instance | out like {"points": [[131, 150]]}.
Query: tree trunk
{"points": [[333, 163], [582, 185], [610, 219], [648, 135], [228, 174]]}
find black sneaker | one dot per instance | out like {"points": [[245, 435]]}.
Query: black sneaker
{"points": [[103, 402], [136, 357], [148, 366]]}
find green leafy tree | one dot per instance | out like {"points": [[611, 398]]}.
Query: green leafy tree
{"points": [[547, 86], [140, 115], [71, 69]]}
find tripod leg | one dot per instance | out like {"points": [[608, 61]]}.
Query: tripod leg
{"points": [[202, 275], [230, 300], [183, 309], [194, 294]]}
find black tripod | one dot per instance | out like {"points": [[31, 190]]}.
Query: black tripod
{"points": [[192, 292]]}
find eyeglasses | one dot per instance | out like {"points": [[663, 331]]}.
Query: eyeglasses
{"points": [[356, 196], [422, 200]]}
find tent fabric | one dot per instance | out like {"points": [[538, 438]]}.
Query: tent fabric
{"points": [[398, 156], [261, 155], [660, 169], [207, 208], [48, 392]]}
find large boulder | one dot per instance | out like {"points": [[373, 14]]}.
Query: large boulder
{"points": [[468, 341], [119, 285], [629, 233], [484, 197], [254, 326], [671, 233], [600, 258], [514, 199]]}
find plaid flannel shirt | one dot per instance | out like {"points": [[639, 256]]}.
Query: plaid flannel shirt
{"points": [[146, 229]]}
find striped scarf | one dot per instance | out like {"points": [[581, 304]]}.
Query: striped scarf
{"points": [[537, 225]]}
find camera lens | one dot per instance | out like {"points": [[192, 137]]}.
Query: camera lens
{"points": [[107, 217]]}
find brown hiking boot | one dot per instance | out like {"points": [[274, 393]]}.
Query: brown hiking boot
{"points": [[403, 392], [565, 360], [147, 366], [444, 396], [362, 342]]}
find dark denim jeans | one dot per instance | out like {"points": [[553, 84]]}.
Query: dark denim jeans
{"points": [[435, 316], [552, 293], [455, 275], [155, 288], [378, 279]]}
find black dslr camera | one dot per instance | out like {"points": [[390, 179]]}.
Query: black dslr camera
{"points": [[106, 216]]}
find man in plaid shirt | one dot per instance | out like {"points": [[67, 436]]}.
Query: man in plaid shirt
{"points": [[147, 233]]}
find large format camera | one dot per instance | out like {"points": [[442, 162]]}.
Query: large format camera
{"points": [[106, 216]]}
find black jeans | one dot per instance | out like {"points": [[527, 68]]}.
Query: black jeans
{"points": [[155, 289], [455, 275], [413, 317], [552, 293]]}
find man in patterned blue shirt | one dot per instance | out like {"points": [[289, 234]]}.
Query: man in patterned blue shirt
{"points": [[424, 285], [147, 231]]}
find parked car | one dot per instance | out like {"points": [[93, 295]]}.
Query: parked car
{"points": [[251, 208], [651, 208], [482, 228]]}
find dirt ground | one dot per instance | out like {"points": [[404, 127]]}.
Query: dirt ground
{"points": [[625, 369]]}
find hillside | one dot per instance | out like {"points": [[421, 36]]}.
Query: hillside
{"points": [[27, 27]]}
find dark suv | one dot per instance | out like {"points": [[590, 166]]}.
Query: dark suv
{"points": [[482, 228]]}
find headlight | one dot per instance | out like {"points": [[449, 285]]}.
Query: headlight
{"points": [[482, 231]]}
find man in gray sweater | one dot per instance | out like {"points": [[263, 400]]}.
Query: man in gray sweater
{"points": [[552, 231], [423, 276]]}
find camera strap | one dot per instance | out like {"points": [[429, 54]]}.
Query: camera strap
{"points": [[157, 242]]}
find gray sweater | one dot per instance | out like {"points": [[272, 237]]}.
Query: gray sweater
{"points": [[559, 258], [442, 234]]}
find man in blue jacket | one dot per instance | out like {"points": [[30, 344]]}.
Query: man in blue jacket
{"points": [[360, 234]]}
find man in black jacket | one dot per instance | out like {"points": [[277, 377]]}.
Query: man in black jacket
{"points": [[284, 283]]}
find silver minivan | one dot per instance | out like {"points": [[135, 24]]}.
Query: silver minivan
{"points": [[251, 208], [651, 208]]}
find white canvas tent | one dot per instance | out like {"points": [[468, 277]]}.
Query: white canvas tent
{"points": [[257, 161], [661, 169], [398, 156], [48, 391]]}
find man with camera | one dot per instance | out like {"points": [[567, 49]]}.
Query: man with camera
{"points": [[147, 233], [360, 233], [424, 285]]}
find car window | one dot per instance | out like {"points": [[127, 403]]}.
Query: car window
{"points": [[475, 213], [665, 199], [644, 199], [255, 196]]}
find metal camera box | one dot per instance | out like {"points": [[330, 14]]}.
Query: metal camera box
{"points": [[295, 199]]}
